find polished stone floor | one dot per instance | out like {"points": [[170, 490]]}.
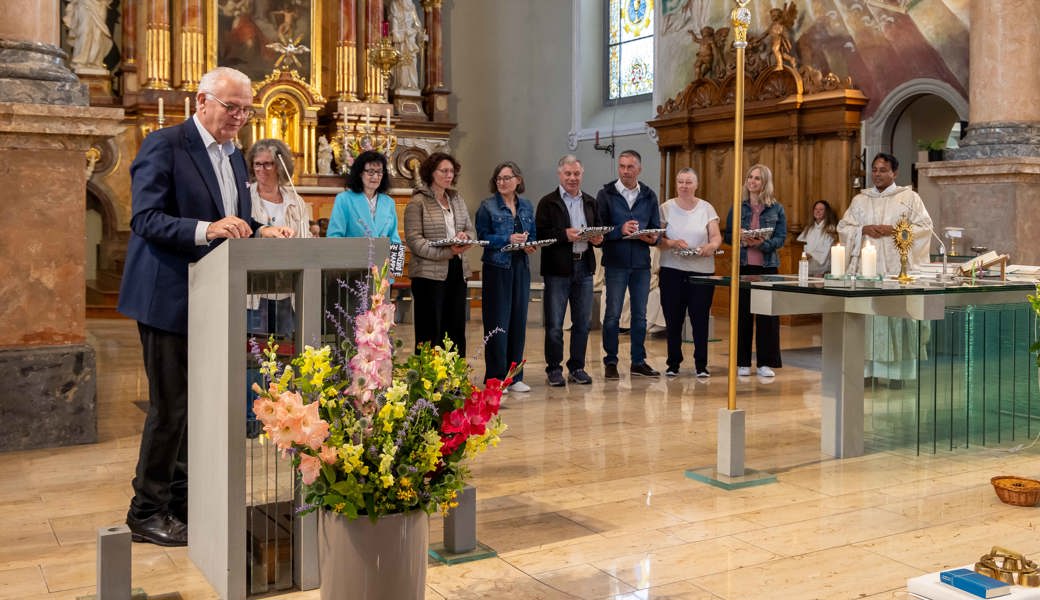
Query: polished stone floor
{"points": [[586, 497]]}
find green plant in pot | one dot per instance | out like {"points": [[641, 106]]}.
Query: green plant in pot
{"points": [[934, 148]]}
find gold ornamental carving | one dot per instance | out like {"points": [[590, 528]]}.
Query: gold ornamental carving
{"points": [[1009, 566], [903, 236]]}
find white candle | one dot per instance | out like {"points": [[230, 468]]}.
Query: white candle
{"points": [[868, 260], [837, 260], [388, 118], [187, 108], [160, 109], [368, 116]]}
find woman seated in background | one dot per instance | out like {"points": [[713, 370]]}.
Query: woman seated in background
{"points": [[505, 218], [363, 209], [819, 237], [691, 223], [437, 212]]}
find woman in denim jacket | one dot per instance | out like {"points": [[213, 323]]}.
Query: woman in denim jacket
{"points": [[503, 219], [759, 210]]}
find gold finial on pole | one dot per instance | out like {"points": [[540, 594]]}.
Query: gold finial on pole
{"points": [[741, 19]]}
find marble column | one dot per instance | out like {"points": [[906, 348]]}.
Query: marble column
{"points": [[346, 53], [991, 184], [46, 129], [435, 92]]}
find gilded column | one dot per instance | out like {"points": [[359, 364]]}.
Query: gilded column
{"points": [[346, 52], [157, 45], [373, 33], [192, 46]]}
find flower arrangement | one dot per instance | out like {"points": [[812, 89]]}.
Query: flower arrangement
{"points": [[372, 435]]}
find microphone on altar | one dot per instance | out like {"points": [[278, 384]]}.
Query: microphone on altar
{"points": [[942, 246]]}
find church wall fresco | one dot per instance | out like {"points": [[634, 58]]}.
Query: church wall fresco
{"points": [[878, 43]]}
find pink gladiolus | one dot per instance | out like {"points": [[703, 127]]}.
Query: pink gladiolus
{"points": [[310, 467], [328, 455]]}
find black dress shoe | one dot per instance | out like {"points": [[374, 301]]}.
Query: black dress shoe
{"points": [[610, 372], [162, 529], [555, 379], [645, 370]]}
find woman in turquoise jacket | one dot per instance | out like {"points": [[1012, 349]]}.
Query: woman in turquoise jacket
{"points": [[363, 210]]}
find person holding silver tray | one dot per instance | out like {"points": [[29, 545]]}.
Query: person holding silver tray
{"points": [[437, 212], [630, 206], [503, 219], [758, 255], [692, 233], [567, 269]]}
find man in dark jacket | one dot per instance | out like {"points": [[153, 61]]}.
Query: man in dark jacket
{"points": [[629, 206], [567, 268]]}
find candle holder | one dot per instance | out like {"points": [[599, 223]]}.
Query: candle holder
{"points": [[384, 57], [356, 135]]}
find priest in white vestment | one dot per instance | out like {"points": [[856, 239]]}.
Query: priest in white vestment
{"points": [[892, 344]]}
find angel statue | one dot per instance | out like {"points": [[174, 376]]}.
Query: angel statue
{"points": [[702, 69], [88, 34], [324, 156], [781, 20]]}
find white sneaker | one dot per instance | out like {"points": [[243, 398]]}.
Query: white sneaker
{"points": [[744, 371], [766, 372], [520, 386]]}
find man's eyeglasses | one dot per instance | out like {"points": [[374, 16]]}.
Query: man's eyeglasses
{"points": [[246, 112], [263, 165], [374, 172]]}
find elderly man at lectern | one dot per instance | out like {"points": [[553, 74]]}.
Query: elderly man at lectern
{"points": [[892, 344], [189, 194]]}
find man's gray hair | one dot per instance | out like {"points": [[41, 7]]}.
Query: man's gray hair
{"points": [[208, 83], [569, 159]]}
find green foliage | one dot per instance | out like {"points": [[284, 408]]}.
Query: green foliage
{"points": [[1034, 301]]}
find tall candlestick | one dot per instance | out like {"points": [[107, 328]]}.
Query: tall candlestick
{"points": [[368, 116], [837, 260], [868, 260], [388, 118], [187, 108], [386, 28], [161, 109]]}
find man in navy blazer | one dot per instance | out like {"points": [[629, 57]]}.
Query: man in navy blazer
{"points": [[189, 194]]}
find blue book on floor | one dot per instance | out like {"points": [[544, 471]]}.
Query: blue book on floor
{"points": [[974, 583]]}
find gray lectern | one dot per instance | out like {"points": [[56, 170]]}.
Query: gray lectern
{"points": [[217, 390]]}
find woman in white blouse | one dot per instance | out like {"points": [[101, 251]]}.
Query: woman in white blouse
{"points": [[688, 248], [819, 237]]}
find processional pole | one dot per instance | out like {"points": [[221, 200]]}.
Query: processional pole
{"points": [[730, 452]]}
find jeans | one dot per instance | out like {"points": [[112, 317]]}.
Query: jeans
{"points": [[680, 296], [767, 336], [637, 282], [505, 296], [576, 289]]}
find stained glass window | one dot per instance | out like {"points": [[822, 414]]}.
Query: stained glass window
{"points": [[630, 48]]}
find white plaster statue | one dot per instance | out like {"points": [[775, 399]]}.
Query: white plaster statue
{"points": [[408, 36], [324, 156], [88, 33]]}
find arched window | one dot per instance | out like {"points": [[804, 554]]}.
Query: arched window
{"points": [[630, 49]]}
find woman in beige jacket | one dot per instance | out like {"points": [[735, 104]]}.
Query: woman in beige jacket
{"points": [[438, 274]]}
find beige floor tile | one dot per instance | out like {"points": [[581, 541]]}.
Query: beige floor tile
{"points": [[21, 582], [681, 590], [831, 531], [686, 561], [586, 582]]}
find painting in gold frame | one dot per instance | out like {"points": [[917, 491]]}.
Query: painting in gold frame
{"points": [[253, 36]]}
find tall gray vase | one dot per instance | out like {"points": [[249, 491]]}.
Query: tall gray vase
{"points": [[362, 560]]}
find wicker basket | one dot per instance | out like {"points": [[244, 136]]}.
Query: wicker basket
{"points": [[1017, 491]]}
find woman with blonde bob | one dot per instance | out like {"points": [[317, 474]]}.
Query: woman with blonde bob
{"points": [[758, 256]]}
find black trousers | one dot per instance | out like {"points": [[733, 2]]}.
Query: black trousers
{"points": [[680, 297], [764, 328], [440, 308], [161, 481]]}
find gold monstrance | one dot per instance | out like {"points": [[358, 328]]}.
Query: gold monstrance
{"points": [[904, 240]]}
